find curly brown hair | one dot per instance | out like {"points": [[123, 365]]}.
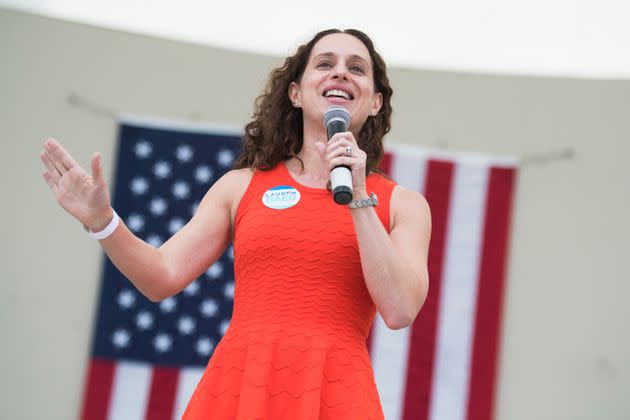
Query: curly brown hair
{"points": [[275, 132]]}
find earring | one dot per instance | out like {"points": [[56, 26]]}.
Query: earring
{"points": [[296, 104]]}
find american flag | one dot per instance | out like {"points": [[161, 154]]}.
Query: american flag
{"points": [[444, 366], [147, 358]]}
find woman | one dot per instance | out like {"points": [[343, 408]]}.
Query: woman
{"points": [[310, 273]]}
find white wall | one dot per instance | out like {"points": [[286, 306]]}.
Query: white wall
{"points": [[565, 349]]}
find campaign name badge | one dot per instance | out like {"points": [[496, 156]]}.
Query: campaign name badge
{"points": [[281, 197]]}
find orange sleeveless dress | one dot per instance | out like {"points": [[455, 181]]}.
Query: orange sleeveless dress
{"points": [[295, 348]]}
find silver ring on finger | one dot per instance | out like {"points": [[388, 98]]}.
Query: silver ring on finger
{"points": [[349, 151]]}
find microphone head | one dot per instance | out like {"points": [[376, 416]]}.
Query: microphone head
{"points": [[336, 113]]}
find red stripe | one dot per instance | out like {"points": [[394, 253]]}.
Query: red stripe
{"points": [[386, 167], [162, 393], [386, 163], [98, 390], [437, 190], [490, 296]]}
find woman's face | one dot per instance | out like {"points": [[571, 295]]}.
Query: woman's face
{"points": [[339, 72]]}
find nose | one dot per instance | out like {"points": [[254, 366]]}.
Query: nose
{"points": [[341, 72]]}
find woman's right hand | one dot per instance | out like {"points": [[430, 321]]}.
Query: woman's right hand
{"points": [[83, 196]]}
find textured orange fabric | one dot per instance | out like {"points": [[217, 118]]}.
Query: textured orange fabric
{"points": [[296, 346]]}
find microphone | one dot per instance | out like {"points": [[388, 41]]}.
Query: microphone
{"points": [[336, 120]]}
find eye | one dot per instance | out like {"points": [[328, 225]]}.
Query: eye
{"points": [[356, 68], [324, 64]]}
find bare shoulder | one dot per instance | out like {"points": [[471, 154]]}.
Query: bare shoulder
{"points": [[237, 177], [227, 189], [405, 195], [231, 187], [406, 203], [233, 183]]}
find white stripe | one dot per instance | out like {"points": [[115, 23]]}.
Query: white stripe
{"points": [[188, 380], [130, 393], [408, 171], [458, 295], [389, 354]]}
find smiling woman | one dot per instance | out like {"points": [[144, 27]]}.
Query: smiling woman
{"points": [[310, 274], [277, 129]]}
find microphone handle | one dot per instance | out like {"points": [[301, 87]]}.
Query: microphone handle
{"points": [[341, 181], [340, 176]]}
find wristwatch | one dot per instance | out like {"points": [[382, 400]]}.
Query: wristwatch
{"points": [[364, 202]]}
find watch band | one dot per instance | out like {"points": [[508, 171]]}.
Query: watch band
{"points": [[364, 202]]}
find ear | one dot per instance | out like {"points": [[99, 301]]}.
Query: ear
{"points": [[377, 103], [294, 93]]}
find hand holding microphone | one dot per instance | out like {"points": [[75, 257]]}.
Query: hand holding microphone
{"points": [[342, 153]]}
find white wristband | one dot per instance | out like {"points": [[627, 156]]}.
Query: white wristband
{"points": [[109, 229]]}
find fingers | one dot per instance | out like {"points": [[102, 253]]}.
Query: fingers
{"points": [[344, 148], [341, 141], [341, 161], [62, 160], [50, 147], [49, 180], [97, 170], [347, 137], [340, 156], [52, 171]]}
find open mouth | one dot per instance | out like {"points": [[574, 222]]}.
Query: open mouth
{"points": [[337, 93]]}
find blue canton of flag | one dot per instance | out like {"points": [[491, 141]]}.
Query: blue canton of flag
{"points": [[161, 176]]}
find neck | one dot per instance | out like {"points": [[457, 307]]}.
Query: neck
{"points": [[312, 154]]}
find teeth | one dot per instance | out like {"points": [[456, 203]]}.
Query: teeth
{"points": [[335, 92]]}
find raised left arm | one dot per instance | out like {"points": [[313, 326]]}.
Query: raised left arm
{"points": [[395, 265]]}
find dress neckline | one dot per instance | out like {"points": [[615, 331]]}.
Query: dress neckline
{"points": [[283, 165]]}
